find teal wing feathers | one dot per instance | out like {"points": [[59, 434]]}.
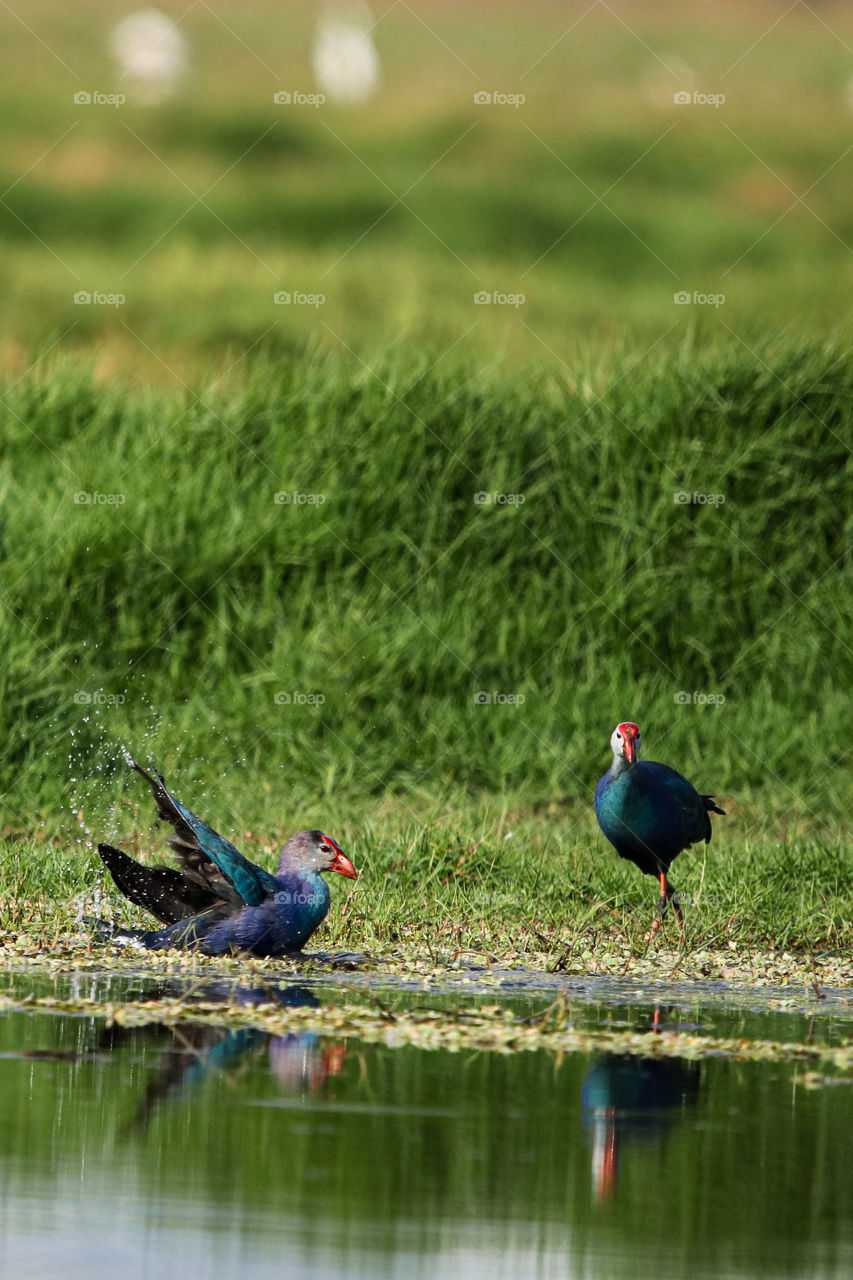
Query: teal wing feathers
{"points": [[207, 854]]}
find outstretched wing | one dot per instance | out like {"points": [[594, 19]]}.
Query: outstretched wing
{"points": [[169, 894], [208, 855]]}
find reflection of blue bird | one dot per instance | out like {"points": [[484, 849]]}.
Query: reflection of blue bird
{"points": [[649, 813], [626, 1099], [220, 901], [195, 1050]]}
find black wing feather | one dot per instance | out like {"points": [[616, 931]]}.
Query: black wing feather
{"points": [[167, 893]]}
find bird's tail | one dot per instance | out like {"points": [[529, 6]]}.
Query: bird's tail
{"points": [[711, 807], [105, 931]]}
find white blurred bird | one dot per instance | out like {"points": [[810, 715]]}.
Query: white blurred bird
{"points": [[151, 53], [346, 63]]}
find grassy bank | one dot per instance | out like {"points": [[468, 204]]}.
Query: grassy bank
{"points": [[489, 886], [663, 540]]}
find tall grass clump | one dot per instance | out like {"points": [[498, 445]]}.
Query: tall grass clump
{"points": [[354, 581]]}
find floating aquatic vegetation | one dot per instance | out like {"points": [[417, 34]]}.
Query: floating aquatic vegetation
{"points": [[483, 1028]]}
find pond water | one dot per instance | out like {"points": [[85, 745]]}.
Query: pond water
{"points": [[200, 1152]]}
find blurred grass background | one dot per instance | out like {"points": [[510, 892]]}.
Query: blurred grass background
{"points": [[598, 198], [168, 615]]}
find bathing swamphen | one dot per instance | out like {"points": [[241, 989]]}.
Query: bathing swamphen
{"points": [[220, 901], [649, 813]]}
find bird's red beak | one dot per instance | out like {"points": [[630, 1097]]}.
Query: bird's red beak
{"points": [[343, 866], [630, 733]]}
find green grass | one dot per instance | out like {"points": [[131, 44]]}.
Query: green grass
{"points": [[511, 888], [169, 622], [168, 618], [297, 652]]}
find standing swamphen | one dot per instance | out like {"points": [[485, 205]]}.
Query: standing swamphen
{"points": [[220, 902], [649, 813]]}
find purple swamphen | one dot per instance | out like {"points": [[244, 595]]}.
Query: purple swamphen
{"points": [[220, 901], [649, 813]]}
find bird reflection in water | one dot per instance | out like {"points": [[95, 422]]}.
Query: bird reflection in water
{"points": [[627, 1100], [300, 1061]]}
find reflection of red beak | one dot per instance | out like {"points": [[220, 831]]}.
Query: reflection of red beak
{"points": [[333, 1059], [343, 866]]}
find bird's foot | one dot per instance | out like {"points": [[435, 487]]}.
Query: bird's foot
{"points": [[657, 922], [667, 896]]}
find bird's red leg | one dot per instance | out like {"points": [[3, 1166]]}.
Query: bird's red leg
{"points": [[661, 907]]}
